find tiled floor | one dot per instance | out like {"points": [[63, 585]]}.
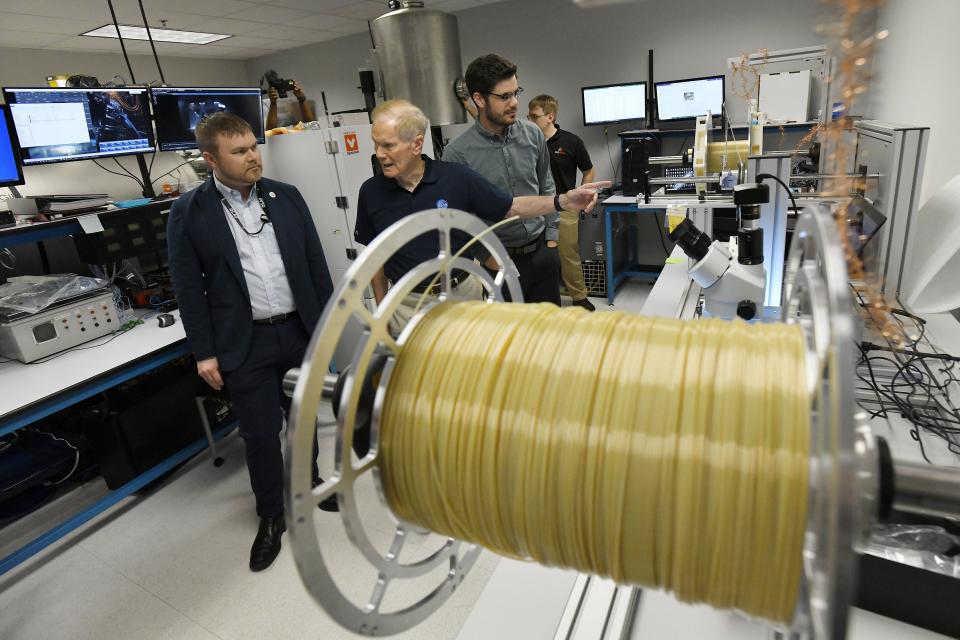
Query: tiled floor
{"points": [[630, 297], [173, 565]]}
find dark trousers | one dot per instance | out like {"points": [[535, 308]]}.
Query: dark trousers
{"points": [[255, 389], [539, 274]]}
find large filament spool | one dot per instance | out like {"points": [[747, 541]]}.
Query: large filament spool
{"points": [[842, 474]]}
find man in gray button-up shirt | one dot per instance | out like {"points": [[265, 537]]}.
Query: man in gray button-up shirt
{"points": [[512, 154]]}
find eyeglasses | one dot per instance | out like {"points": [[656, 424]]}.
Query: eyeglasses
{"points": [[533, 117], [507, 96]]}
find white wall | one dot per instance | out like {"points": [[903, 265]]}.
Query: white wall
{"points": [[30, 67], [560, 48], [329, 66], [917, 80]]}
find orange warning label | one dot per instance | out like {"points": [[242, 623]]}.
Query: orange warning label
{"points": [[351, 143]]}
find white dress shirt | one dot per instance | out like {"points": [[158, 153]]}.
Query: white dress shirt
{"points": [[263, 268]]}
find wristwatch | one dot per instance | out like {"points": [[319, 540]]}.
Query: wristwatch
{"points": [[556, 203]]}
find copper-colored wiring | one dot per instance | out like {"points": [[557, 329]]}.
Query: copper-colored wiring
{"points": [[850, 27]]}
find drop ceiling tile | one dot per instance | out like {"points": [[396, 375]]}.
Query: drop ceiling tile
{"points": [[286, 32], [269, 14], [43, 24], [249, 42], [80, 9], [11, 38], [365, 10], [214, 8], [130, 14], [227, 25], [330, 22]]}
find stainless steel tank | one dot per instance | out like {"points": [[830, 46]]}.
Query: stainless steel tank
{"points": [[419, 56]]}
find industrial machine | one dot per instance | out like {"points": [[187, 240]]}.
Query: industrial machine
{"points": [[853, 480], [732, 287], [69, 321], [888, 166], [418, 55]]}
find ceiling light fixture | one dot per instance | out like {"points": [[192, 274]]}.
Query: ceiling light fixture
{"points": [[131, 32]]}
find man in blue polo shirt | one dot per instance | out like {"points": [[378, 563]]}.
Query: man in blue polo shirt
{"points": [[412, 182]]}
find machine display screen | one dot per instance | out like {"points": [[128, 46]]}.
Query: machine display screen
{"points": [[60, 124], [614, 103], [687, 99], [10, 172], [177, 111]]}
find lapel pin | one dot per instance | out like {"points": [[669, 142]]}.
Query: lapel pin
{"points": [[273, 195]]}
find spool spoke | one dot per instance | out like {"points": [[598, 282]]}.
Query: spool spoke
{"points": [[379, 590], [446, 250], [325, 490], [368, 463], [388, 341]]}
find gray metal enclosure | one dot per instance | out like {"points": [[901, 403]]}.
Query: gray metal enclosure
{"points": [[419, 56]]}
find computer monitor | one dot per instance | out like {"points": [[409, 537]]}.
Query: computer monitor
{"points": [[61, 124], [688, 99], [612, 103], [177, 110], [11, 174]]}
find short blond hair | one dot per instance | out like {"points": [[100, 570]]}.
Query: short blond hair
{"points": [[546, 102], [410, 120]]}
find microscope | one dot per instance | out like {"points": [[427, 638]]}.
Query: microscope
{"points": [[731, 287]]}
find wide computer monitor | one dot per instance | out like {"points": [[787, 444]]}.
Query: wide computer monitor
{"points": [[178, 110], [612, 103], [689, 99], [11, 174], [61, 124]]}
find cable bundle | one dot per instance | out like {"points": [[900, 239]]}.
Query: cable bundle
{"points": [[653, 451]]}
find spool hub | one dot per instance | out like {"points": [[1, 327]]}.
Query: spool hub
{"points": [[843, 465]]}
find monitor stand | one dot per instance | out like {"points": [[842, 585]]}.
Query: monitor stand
{"points": [[148, 191]]}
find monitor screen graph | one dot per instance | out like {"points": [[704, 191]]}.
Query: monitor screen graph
{"points": [[688, 99], [614, 103], [61, 124]]}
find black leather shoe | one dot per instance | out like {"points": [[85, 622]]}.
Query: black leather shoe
{"points": [[330, 504], [266, 545], [585, 303]]}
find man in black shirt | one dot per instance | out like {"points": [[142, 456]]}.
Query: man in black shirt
{"points": [[567, 154], [412, 182]]}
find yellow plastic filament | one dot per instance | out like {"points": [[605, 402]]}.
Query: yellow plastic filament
{"points": [[657, 452]]}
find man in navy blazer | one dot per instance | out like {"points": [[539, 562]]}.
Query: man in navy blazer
{"points": [[251, 282]]}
